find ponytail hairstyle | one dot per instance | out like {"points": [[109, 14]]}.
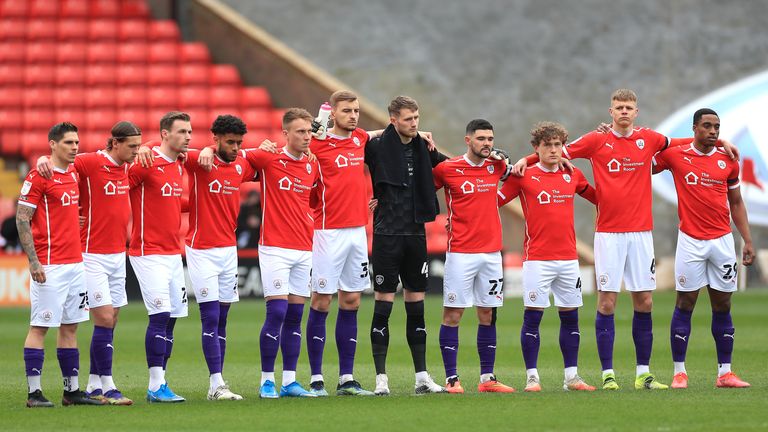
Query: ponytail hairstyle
{"points": [[121, 131]]}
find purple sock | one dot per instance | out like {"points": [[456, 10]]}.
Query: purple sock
{"points": [[223, 313], [570, 337], [486, 347], [679, 330], [69, 361], [33, 361], [529, 337], [290, 336], [269, 340], [101, 350], [316, 340], [642, 334], [449, 347], [346, 340], [94, 367], [209, 318], [168, 340], [722, 331], [154, 341], [605, 333]]}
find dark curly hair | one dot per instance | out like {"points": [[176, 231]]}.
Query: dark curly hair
{"points": [[228, 124]]}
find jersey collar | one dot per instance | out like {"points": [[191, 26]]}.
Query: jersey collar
{"points": [[292, 156], [543, 168], [106, 155], [159, 153], [473, 164], [711, 152]]}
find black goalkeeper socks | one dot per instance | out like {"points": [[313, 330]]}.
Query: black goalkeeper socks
{"points": [[380, 334], [416, 333]]}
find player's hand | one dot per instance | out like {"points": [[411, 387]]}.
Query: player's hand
{"points": [[500, 154], [37, 272], [565, 165], [448, 224], [44, 167], [268, 146], [82, 221], [748, 254], [731, 149], [145, 157], [310, 156], [518, 169], [507, 172], [427, 136], [182, 157], [205, 159], [318, 129], [603, 128], [372, 204]]}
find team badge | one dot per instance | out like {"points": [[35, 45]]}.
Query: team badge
{"points": [[158, 302], [379, 279], [277, 283], [356, 140], [322, 282], [603, 280], [204, 292], [239, 169], [681, 280], [451, 297], [98, 296], [640, 144], [26, 187], [532, 296], [309, 169], [721, 164], [47, 315], [490, 169], [567, 178]]}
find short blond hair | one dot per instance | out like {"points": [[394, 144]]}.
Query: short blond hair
{"points": [[546, 130], [624, 95], [292, 114], [342, 96], [400, 103]]}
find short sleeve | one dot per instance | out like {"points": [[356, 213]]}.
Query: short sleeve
{"points": [[510, 189], [583, 147], [136, 174], [258, 159], [437, 175], [32, 190], [733, 178]]}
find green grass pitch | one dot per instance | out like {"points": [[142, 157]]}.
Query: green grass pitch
{"points": [[701, 407]]}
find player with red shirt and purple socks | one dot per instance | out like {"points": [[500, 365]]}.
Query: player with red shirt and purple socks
{"points": [[105, 206], [48, 222], [473, 270], [154, 250], [285, 250], [708, 195], [550, 259]]}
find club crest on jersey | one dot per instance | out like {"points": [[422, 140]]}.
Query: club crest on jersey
{"points": [[239, 169], [490, 169], [379, 279], [567, 178], [356, 140], [309, 168], [721, 164], [640, 143]]}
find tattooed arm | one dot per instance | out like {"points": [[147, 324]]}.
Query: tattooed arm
{"points": [[23, 224]]}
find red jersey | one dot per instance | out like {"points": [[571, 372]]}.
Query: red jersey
{"points": [[341, 197], [156, 206], [56, 222], [547, 201], [622, 167], [105, 203], [286, 183], [470, 195], [214, 200], [702, 182]]}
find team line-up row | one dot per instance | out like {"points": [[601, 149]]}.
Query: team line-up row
{"points": [[315, 208]]}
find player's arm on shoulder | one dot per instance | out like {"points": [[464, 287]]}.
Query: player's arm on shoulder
{"points": [[136, 174], [659, 161], [437, 175], [435, 157], [518, 169], [258, 158], [583, 187], [739, 216], [508, 191], [146, 156], [44, 166], [24, 214], [584, 146]]}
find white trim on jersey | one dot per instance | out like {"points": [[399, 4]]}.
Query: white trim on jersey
{"points": [[320, 173], [27, 204], [264, 202], [90, 208], [142, 219], [47, 227], [197, 212], [700, 153], [450, 216], [524, 202]]}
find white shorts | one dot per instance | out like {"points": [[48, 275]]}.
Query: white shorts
{"points": [[161, 279], [699, 263], [625, 256], [561, 277], [213, 274], [285, 271], [473, 279], [340, 260], [105, 279], [62, 299]]}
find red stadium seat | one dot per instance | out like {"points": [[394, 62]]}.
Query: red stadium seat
{"points": [[102, 52], [162, 75], [72, 115], [10, 119], [137, 116], [39, 75], [43, 9], [14, 8], [100, 30], [12, 52], [254, 97], [12, 29], [134, 97], [132, 52], [134, 9], [100, 97], [277, 119], [38, 97], [131, 75], [105, 8], [163, 31], [37, 119], [70, 75], [41, 53], [100, 75], [73, 30], [194, 53], [93, 140], [224, 96], [71, 52], [12, 74], [40, 30], [257, 119], [193, 74], [193, 97], [132, 30], [35, 145], [69, 97], [199, 119], [163, 98], [224, 75], [11, 142], [100, 119], [74, 8], [11, 97], [163, 53]]}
